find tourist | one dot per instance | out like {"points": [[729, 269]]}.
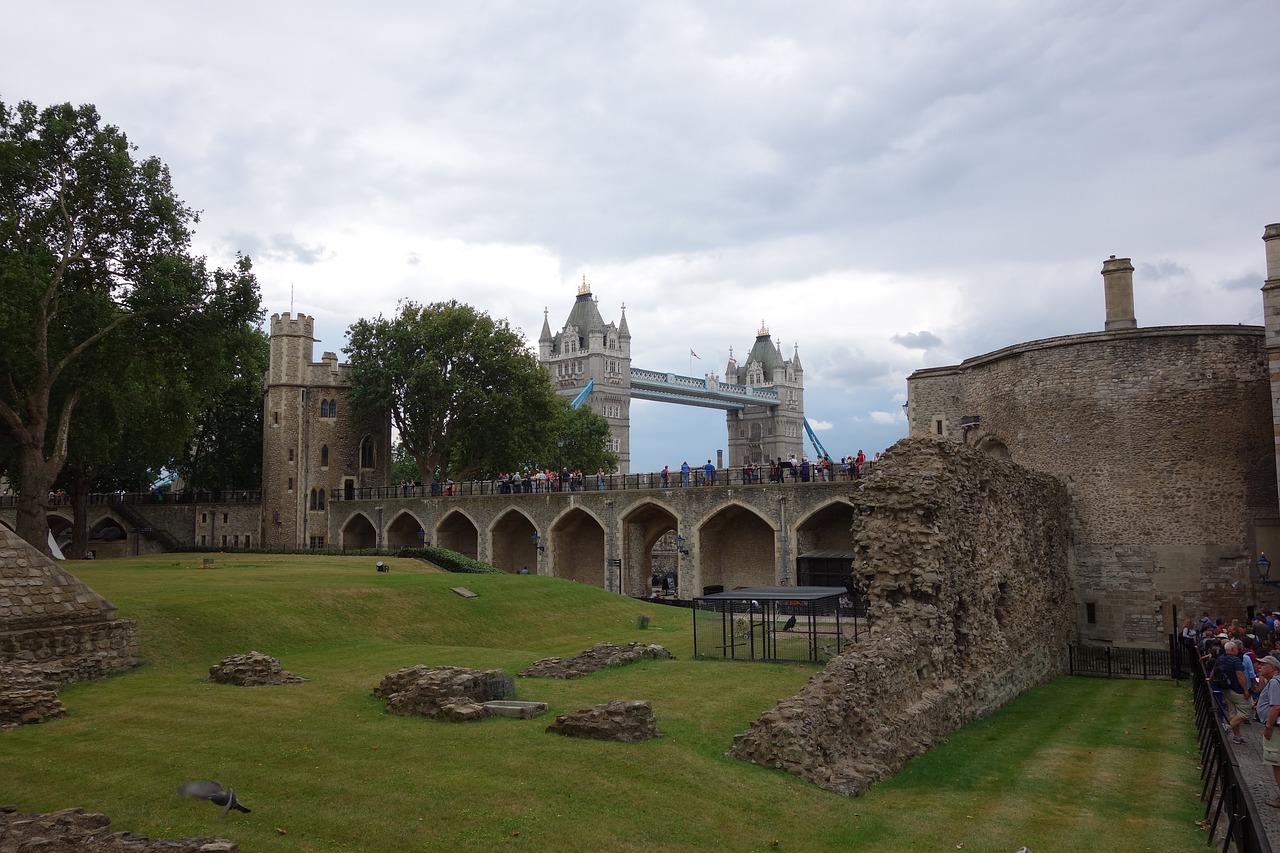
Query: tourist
{"points": [[599, 479], [1228, 672], [684, 474], [1268, 711], [666, 475], [709, 473]]}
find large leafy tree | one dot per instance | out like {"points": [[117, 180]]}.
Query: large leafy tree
{"points": [[96, 279], [465, 393], [581, 441]]}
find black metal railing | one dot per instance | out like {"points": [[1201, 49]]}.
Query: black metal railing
{"points": [[1230, 814], [1114, 662], [697, 478], [184, 496]]}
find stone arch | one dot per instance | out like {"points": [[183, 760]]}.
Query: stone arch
{"points": [[405, 531], [60, 529], [107, 529], [457, 531], [643, 527], [737, 547], [577, 548], [826, 528], [512, 544], [992, 446], [358, 533]]}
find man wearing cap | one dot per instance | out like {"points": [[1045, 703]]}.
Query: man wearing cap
{"points": [[1268, 712]]}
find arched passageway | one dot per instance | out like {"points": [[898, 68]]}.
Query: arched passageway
{"points": [[577, 548], [458, 533], [359, 533], [643, 530], [736, 548], [513, 545], [405, 531]]}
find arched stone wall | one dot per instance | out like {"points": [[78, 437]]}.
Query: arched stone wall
{"points": [[511, 543], [735, 548], [457, 531], [577, 548]]}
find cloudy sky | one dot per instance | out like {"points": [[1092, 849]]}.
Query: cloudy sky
{"points": [[886, 185]]}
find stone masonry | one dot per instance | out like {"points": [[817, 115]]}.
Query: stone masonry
{"points": [[52, 622], [965, 559]]}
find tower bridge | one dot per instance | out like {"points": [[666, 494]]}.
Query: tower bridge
{"points": [[762, 397]]}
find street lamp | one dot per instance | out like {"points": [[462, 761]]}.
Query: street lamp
{"points": [[537, 542], [559, 453], [1264, 567]]}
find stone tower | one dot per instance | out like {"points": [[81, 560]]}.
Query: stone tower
{"points": [[587, 350], [760, 433], [1271, 320], [312, 446]]}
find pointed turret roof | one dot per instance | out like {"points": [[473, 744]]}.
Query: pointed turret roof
{"points": [[623, 330], [585, 313], [545, 337], [765, 352]]}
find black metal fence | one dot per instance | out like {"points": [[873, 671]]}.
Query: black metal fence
{"points": [[1114, 662], [1230, 814]]}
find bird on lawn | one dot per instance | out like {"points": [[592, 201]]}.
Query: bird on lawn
{"points": [[791, 623], [206, 789]]}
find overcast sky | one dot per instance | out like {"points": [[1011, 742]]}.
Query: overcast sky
{"points": [[887, 185]]}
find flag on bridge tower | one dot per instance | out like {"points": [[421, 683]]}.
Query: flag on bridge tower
{"points": [[695, 355]]}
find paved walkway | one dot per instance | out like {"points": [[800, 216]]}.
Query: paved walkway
{"points": [[1259, 779]]}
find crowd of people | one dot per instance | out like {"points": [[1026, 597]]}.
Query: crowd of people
{"points": [[1243, 673]]}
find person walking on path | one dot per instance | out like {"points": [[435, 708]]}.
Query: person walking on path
{"points": [[1229, 672], [1268, 712]]}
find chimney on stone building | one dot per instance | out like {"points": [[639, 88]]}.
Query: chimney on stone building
{"points": [[1117, 282]]}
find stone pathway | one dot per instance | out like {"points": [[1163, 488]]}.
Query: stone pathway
{"points": [[1257, 776]]}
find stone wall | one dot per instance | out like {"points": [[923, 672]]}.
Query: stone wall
{"points": [[965, 561], [51, 620], [1163, 437]]}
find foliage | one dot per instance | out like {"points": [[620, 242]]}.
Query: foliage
{"points": [[99, 296], [404, 468], [585, 436], [464, 392], [450, 561], [1079, 763]]}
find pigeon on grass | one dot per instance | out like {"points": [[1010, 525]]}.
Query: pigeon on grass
{"points": [[206, 789]]}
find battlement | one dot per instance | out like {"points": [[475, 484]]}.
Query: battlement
{"points": [[286, 324]]}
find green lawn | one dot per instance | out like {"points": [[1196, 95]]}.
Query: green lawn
{"points": [[1080, 764]]}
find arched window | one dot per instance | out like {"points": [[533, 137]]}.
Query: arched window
{"points": [[320, 500], [366, 452], [333, 408], [313, 499], [324, 408], [324, 456]]}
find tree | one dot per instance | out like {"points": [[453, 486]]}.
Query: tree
{"points": [[465, 394], [96, 276], [585, 436]]}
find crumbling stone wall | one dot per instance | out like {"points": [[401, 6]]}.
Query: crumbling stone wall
{"points": [[965, 561], [52, 621]]}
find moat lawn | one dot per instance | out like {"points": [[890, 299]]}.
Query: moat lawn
{"points": [[1079, 764]]}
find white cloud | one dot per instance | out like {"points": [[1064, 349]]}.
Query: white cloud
{"points": [[886, 185]]}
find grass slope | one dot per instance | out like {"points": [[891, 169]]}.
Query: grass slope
{"points": [[1079, 764]]}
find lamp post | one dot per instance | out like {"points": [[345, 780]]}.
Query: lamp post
{"points": [[560, 456], [1264, 568]]}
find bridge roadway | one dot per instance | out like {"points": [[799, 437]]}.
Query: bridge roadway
{"points": [[728, 535]]}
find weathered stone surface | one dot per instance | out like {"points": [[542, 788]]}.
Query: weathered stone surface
{"points": [[449, 693], [251, 670], [594, 659], [626, 720], [74, 829], [964, 560], [26, 697]]}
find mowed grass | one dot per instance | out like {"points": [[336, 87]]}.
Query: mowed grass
{"points": [[1079, 764]]}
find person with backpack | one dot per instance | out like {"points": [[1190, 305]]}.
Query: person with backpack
{"points": [[1228, 672]]}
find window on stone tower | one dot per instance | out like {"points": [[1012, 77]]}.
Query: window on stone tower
{"points": [[290, 454], [1091, 613], [366, 452], [313, 499], [333, 408], [324, 456]]}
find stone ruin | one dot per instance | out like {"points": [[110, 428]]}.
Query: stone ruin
{"points": [[74, 829], [598, 657], [964, 560], [251, 670], [626, 720], [450, 693], [27, 697], [54, 630]]}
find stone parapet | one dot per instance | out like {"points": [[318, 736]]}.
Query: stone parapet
{"points": [[78, 652]]}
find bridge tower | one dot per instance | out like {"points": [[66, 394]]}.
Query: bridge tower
{"points": [[312, 444], [586, 350], [758, 433]]}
